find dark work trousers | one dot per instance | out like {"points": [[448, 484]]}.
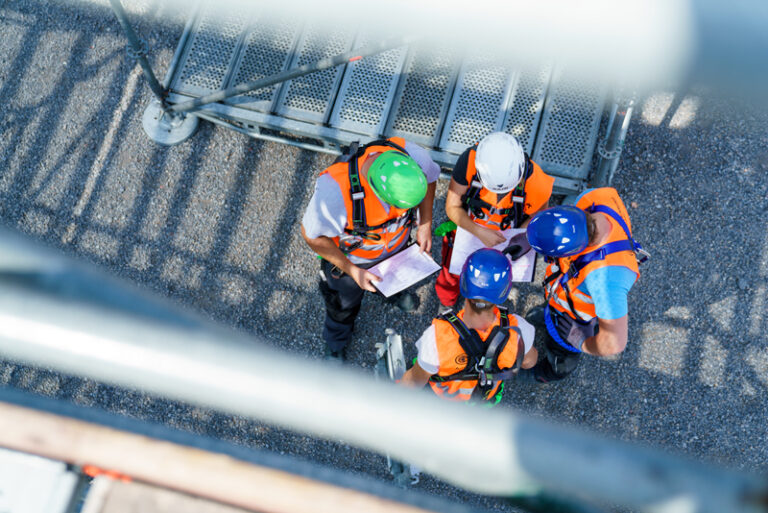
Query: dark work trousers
{"points": [[559, 362], [342, 303]]}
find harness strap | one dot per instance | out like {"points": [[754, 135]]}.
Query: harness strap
{"points": [[628, 244], [357, 193], [514, 213], [599, 254], [636, 247], [472, 345], [486, 375], [552, 330]]}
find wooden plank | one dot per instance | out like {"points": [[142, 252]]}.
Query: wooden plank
{"points": [[189, 470]]}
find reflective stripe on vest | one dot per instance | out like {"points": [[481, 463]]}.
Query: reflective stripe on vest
{"points": [[386, 230], [560, 285]]}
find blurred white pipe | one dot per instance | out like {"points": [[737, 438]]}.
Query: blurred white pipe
{"points": [[494, 452]]}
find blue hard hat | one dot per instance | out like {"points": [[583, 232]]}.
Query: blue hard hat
{"points": [[558, 231], [487, 275]]}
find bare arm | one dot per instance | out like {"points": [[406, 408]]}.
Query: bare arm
{"points": [[459, 216], [530, 359], [530, 216], [424, 230], [610, 340], [415, 377], [326, 248]]}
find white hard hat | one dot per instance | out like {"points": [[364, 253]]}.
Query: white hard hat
{"points": [[500, 162]]}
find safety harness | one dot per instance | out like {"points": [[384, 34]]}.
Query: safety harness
{"points": [[576, 266], [516, 214], [359, 226], [482, 361]]}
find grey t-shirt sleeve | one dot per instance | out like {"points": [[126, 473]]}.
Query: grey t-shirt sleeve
{"points": [[425, 162], [326, 214]]}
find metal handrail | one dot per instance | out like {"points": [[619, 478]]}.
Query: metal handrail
{"points": [[48, 317]]}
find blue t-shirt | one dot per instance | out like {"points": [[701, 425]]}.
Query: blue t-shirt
{"points": [[608, 287]]}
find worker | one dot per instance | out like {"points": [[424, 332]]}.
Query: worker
{"points": [[592, 265], [362, 211], [494, 186], [468, 355]]}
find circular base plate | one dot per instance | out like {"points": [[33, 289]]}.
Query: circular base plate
{"points": [[166, 129]]}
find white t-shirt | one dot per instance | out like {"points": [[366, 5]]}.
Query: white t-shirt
{"points": [[427, 345], [326, 214]]}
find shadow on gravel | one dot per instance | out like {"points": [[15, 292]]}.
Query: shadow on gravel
{"points": [[695, 374], [213, 223]]}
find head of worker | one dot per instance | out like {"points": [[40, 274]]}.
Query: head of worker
{"points": [[397, 179], [500, 162], [485, 281], [560, 231]]}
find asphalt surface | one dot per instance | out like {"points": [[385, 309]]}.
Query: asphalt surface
{"points": [[213, 225]]}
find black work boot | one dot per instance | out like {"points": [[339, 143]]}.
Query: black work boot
{"points": [[536, 316], [340, 355], [529, 377], [406, 301]]}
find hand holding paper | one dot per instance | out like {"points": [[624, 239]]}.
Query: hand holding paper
{"points": [[403, 269], [465, 244]]}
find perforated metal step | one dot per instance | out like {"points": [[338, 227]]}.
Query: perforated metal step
{"points": [[423, 96], [569, 126], [526, 105], [310, 98], [209, 54], [478, 103], [367, 90], [267, 49]]}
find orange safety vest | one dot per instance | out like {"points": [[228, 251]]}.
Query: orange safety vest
{"points": [[499, 212], [377, 231], [561, 282], [457, 376]]}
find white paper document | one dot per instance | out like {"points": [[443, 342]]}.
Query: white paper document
{"points": [[465, 244], [403, 269]]}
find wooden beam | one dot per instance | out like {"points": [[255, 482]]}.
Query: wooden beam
{"points": [[189, 470]]}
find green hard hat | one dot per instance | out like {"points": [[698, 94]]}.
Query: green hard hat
{"points": [[397, 179]]}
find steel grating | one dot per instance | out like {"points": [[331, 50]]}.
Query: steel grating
{"points": [[423, 96], [367, 90], [524, 113], [310, 98], [478, 105], [569, 126], [211, 50], [266, 51]]}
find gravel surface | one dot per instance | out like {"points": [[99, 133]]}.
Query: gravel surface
{"points": [[213, 224]]}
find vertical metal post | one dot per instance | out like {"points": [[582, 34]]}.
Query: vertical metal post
{"points": [[138, 51], [611, 145]]}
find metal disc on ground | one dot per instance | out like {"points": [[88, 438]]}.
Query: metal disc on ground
{"points": [[167, 129]]}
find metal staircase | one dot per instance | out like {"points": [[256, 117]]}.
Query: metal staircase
{"points": [[426, 95]]}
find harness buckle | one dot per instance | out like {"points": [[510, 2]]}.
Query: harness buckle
{"points": [[358, 195], [518, 199], [482, 380], [644, 255]]}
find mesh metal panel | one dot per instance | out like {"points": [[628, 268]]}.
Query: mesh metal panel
{"points": [[478, 104], [309, 98], [569, 126], [527, 104], [366, 91], [422, 99], [267, 51], [211, 50]]}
